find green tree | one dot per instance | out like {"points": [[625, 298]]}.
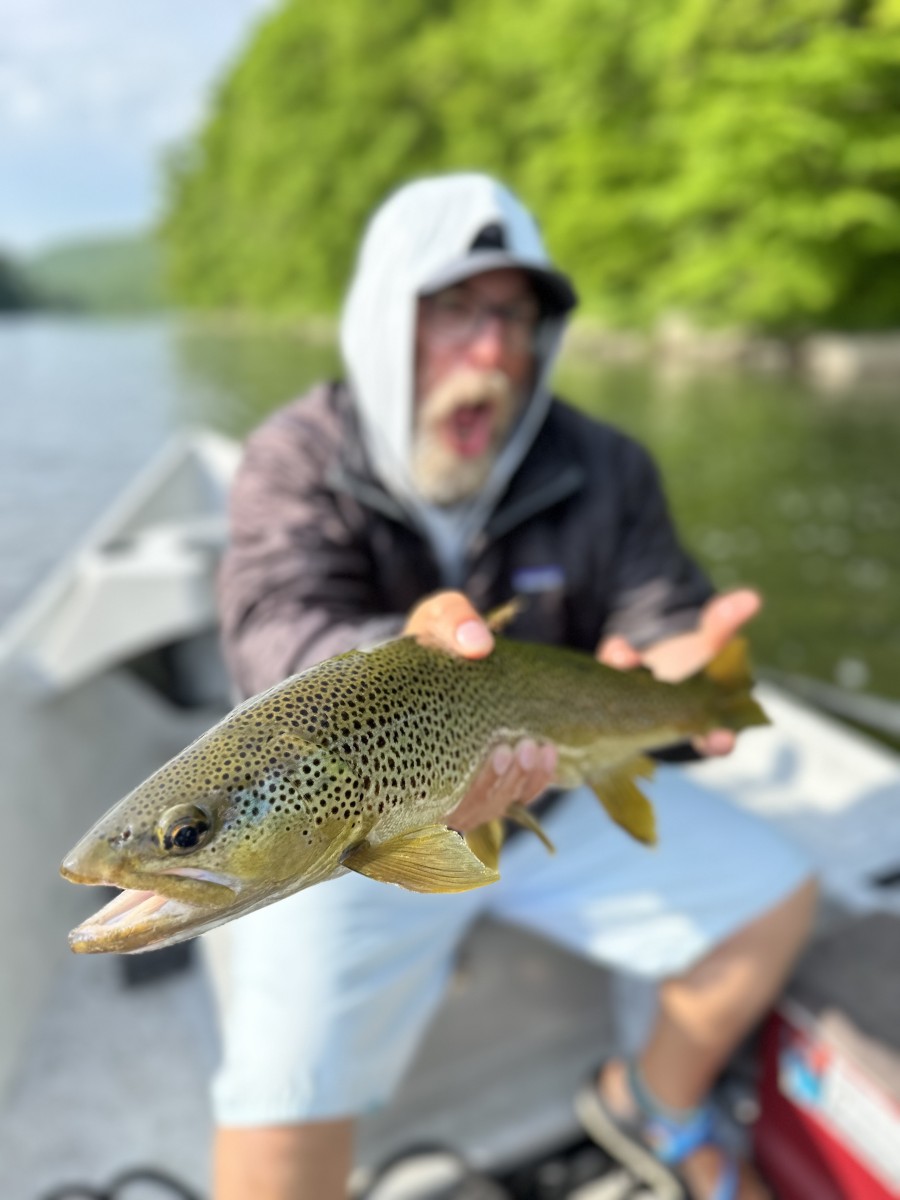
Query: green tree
{"points": [[735, 159], [783, 205], [315, 123]]}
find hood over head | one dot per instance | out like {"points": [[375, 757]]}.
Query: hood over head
{"points": [[426, 236]]}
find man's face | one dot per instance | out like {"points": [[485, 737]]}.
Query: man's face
{"points": [[474, 366]]}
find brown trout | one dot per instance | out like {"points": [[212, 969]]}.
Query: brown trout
{"points": [[353, 765]]}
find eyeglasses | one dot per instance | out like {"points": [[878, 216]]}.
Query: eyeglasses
{"points": [[455, 317]]}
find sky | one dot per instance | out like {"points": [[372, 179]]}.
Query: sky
{"points": [[91, 93]]}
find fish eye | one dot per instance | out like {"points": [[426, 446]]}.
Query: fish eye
{"points": [[183, 829]]}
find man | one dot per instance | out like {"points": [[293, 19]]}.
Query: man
{"points": [[440, 480]]}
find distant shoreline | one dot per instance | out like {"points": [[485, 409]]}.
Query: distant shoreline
{"points": [[832, 360]]}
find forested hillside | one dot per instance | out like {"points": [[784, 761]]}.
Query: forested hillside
{"points": [[102, 274], [738, 160]]}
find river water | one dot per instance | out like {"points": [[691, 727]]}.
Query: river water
{"points": [[773, 483]]}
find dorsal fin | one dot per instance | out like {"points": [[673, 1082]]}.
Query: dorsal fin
{"points": [[498, 618]]}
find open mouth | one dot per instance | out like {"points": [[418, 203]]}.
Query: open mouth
{"points": [[134, 920], [148, 920], [469, 429]]}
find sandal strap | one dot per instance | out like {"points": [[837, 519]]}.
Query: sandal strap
{"points": [[673, 1135], [648, 1103], [672, 1141], [729, 1181]]}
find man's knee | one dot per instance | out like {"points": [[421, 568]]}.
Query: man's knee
{"points": [[762, 952], [303, 1161], [790, 921]]}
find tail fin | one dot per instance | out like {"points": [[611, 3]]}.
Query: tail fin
{"points": [[730, 672]]}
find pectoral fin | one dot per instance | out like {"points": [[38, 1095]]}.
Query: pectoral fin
{"points": [[486, 841], [434, 859], [624, 800], [524, 817]]}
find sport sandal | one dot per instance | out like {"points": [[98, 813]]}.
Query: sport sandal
{"points": [[653, 1143]]}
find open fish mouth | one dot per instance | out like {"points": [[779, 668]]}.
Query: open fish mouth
{"points": [[136, 919]]}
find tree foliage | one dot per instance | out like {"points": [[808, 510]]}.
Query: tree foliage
{"points": [[735, 159]]}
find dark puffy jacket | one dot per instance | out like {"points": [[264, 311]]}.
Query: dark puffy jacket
{"points": [[323, 559]]}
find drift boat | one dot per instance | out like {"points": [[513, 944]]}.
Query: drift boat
{"points": [[113, 666]]}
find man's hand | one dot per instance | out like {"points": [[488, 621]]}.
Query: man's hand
{"points": [[678, 657], [512, 773], [448, 621]]}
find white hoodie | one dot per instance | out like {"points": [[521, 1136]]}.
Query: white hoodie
{"points": [[419, 241]]}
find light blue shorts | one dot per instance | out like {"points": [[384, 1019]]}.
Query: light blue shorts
{"points": [[328, 992]]}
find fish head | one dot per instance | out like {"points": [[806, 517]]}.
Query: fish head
{"points": [[249, 813]]}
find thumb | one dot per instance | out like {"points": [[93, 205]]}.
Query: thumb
{"points": [[724, 615], [449, 621]]}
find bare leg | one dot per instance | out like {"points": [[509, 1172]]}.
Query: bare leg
{"points": [[311, 1161], [705, 1013]]}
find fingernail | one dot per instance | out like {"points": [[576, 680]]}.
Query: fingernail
{"points": [[527, 753], [501, 759], [474, 637]]}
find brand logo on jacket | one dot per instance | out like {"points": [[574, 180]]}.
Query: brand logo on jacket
{"points": [[531, 581]]}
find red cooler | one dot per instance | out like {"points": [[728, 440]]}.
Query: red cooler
{"points": [[829, 1124]]}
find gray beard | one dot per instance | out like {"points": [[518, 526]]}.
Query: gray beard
{"points": [[440, 475]]}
